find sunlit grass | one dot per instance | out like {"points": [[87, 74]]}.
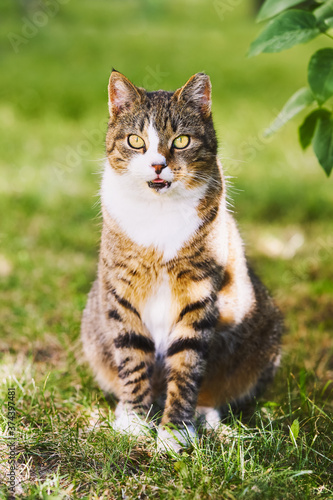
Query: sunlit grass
{"points": [[68, 450]]}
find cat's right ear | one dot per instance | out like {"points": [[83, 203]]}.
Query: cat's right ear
{"points": [[122, 93]]}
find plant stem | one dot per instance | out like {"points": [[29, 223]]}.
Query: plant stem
{"points": [[329, 36]]}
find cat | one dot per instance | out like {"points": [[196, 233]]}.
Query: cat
{"points": [[175, 311]]}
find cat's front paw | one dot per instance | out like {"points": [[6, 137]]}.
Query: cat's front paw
{"points": [[176, 440], [129, 422]]}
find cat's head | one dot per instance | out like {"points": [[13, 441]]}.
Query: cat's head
{"points": [[162, 141]]}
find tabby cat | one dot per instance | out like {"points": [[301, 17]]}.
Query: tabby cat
{"points": [[175, 310]]}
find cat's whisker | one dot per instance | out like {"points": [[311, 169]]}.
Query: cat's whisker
{"points": [[96, 160], [205, 179]]}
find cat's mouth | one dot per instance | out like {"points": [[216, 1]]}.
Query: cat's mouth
{"points": [[159, 184]]}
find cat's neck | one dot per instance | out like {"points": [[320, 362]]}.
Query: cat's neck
{"points": [[163, 221]]}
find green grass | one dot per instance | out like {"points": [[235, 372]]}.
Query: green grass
{"points": [[53, 114], [66, 456]]}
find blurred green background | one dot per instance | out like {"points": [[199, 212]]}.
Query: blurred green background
{"points": [[56, 57], [55, 61]]}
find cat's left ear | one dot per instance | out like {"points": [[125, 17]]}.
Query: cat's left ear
{"points": [[197, 93], [122, 93]]}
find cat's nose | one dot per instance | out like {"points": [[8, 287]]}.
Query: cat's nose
{"points": [[159, 167]]}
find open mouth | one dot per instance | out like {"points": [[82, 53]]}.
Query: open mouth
{"points": [[159, 184]]}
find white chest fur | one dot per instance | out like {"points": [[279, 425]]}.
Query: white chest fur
{"points": [[165, 221], [157, 315]]}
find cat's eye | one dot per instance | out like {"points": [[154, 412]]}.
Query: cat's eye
{"points": [[135, 141], [181, 142]]}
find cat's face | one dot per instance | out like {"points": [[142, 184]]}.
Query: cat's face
{"points": [[161, 142]]}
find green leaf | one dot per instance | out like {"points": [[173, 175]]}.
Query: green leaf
{"points": [[328, 23], [320, 74], [273, 7], [182, 468], [294, 431], [326, 386], [324, 11], [299, 101], [271, 404], [285, 31], [306, 130], [323, 143]]}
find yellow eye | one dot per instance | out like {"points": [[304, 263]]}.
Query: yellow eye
{"points": [[135, 141], [181, 142]]}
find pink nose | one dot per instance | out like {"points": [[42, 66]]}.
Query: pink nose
{"points": [[159, 167]]}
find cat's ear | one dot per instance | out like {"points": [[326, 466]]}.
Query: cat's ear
{"points": [[197, 93], [122, 93]]}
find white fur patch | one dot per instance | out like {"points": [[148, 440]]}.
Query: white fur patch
{"points": [[141, 164], [241, 302], [157, 315], [129, 422], [165, 220], [241, 299], [176, 440], [210, 417]]}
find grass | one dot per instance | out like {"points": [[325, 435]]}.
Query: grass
{"points": [[64, 455], [53, 116]]}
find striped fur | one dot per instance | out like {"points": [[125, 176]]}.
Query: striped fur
{"points": [[175, 310]]}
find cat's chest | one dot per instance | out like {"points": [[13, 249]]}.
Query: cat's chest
{"points": [[165, 222], [157, 314]]}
